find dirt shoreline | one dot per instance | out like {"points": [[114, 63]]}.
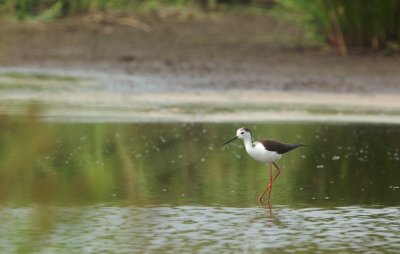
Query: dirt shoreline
{"points": [[214, 53], [88, 103], [215, 69]]}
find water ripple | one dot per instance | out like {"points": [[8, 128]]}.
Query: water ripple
{"points": [[100, 229]]}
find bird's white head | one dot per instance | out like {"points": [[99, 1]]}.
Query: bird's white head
{"points": [[241, 133]]}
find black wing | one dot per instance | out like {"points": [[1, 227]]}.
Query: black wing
{"points": [[280, 148]]}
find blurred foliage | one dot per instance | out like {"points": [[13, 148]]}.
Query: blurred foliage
{"points": [[342, 23], [374, 23], [178, 163], [24, 9], [45, 9], [50, 9], [348, 24]]}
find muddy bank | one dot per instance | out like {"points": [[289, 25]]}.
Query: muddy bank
{"points": [[215, 53], [98, 98]]}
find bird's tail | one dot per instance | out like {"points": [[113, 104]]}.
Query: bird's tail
{"points": [[298, 145]]}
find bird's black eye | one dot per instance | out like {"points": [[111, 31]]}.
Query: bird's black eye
{"points": [[242, 132]]}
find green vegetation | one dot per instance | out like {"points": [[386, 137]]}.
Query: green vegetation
{"points": [[348, 24], [50, 9], [374, 24], [33, 8], [345, 24]]}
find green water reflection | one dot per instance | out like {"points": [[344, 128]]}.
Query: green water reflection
{"points": [[183, 164]]}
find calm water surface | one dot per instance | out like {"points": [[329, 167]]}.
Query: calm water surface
{"points": [[103, 188]]}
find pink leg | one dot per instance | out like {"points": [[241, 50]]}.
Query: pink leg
{"points": [[269, 186], [277, 173], [269, 207], [273, 180]]}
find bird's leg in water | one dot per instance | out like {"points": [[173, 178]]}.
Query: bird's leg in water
{"points": [[270, 182], [276, 175], [269, 207], [269, 186]]}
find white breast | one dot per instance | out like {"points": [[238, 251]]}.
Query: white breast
{"points": [[258, 152]]}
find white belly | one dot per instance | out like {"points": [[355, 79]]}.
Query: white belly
{"points": [[260, 154]]}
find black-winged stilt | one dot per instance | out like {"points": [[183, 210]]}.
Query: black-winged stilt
{"points": [[264, 151]]}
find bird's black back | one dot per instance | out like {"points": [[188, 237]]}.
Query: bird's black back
{"points": [[280, 148]]}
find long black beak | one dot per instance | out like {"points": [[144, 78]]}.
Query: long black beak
{"points": [[232, 139]]}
